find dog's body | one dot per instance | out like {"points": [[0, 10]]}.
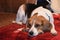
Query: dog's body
{"points": [[24, 11], [40, 16], [41, 19]]}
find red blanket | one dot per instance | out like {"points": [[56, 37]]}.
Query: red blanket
{"points": [[10, 32]]}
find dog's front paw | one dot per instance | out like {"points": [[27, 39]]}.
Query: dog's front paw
{"points": [[17, 22], [54, 32], [18, 30]]}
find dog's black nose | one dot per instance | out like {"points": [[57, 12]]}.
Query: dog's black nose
{"points": [[31, 33]]}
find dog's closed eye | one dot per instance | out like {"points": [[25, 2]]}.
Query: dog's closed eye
{"points": [[37, 25]]}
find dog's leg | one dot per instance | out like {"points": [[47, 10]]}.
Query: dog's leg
{"points": [[25, 19], [18, 30], [53, 31], [19, 18], [20, 15]]}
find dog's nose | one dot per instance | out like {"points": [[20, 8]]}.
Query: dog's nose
{"points": [[31, 33]]}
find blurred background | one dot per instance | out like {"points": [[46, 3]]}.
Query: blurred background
{"points": [[10, 5], [8, 10]]}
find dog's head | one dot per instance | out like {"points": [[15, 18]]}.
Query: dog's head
{"points": [[37, 25]]}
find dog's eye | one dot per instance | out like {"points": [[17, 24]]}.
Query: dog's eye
{"points": [[37, 25]]}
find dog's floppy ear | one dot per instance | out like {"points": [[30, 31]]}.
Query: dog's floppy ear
{"points": [[33, 17], [47, 25]]}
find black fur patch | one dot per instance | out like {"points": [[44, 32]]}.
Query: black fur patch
{"points": [[30, 7]]}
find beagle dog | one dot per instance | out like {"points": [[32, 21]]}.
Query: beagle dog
{"points": [[39, 21]]}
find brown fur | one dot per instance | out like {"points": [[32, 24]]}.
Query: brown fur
{"points": [[44, 23]]}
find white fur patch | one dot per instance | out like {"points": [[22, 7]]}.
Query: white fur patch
{"points": [[17, 22], [18, 30], [53, 31], [33, 29]]}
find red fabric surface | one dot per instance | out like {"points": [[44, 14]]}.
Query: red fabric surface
{"points": [[9, 32]]}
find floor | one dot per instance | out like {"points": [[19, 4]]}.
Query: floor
{"points": [[6, 18]]}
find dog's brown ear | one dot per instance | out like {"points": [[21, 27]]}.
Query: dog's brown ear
{"points": [[34, 16], [47, 25]]}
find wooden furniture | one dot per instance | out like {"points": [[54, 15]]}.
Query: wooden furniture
{"points": [[10, 5]]}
